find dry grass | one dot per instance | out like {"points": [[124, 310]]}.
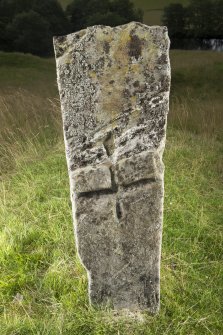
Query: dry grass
{"points": [[197, 116], [187, 60], [31, 123], [28, 121], [196, 94]]}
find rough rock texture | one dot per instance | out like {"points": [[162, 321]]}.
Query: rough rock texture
{"points": [[114, 90]]}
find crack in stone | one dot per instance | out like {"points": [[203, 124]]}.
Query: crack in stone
{"points": [[109, 144]]}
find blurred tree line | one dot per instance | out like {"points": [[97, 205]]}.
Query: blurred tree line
{"points": [[189, 26], [29, 25]]}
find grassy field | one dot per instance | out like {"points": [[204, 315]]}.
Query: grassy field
{"points": [[27, 72], [28, 105], [43, 288], [153, 9]]}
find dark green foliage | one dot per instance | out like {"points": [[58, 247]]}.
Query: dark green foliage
{"points": [[201, 19], [83, 13], [175, 18], [78, 12], [55, 15], [110, 19], [125, 9], [29, 25], [218, 19], [29, 32], [201, 15]]}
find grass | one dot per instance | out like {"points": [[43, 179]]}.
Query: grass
{"points": [[196, 95], [27, 72], [28, 122], [43, 288], [29, 106]]}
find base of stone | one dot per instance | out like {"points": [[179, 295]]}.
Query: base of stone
{"points": [[125, 314]]}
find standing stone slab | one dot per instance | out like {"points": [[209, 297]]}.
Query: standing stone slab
{"points": [[114, 90]]}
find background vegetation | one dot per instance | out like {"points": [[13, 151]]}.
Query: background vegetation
{"points": [[28, 26], [152, 9], [107, 12], [190, 25], [43, 287]]}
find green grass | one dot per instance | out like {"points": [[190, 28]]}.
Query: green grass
{"points": [[43, 286], [27, 72]]}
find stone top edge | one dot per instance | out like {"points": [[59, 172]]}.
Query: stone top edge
{"points": [[83, 32]]}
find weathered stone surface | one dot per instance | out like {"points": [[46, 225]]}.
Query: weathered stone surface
{"points": [[91, 179], [114, 90]]}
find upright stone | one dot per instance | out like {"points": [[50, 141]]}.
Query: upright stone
{"points": [[114, 90]]}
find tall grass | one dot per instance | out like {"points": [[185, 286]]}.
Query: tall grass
{"points": [[196, 92], [200, 117], [28, 122], [29, 119]]}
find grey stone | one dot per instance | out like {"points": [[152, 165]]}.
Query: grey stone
{"points": [[114, 90], [91, 179]]}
